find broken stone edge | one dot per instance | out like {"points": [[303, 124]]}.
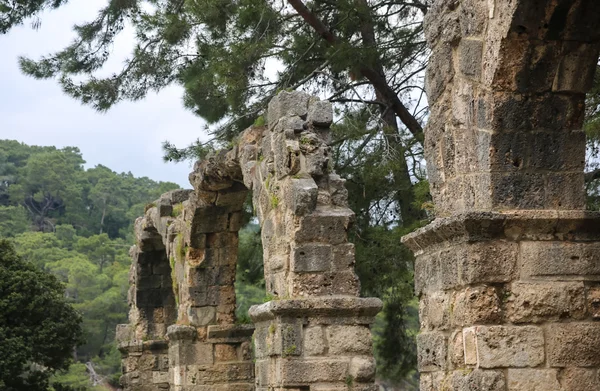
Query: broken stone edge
{"points": [[575, 225]]}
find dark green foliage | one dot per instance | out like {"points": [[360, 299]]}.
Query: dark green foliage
{"points": [[592, 130], [82, 238], [38, 328]]}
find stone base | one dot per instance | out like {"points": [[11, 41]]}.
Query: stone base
{"points": [[509, 301], [315, 344], [145, 365], [218, 358]]}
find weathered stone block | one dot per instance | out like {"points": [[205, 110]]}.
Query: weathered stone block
{"points": [[476, 305], [325, 224], [320, 113], [301, 195], [538, 302], [349, 340], [560, 258], [579, 379], [343, 257], [432, 351], [434, 310], [533, 380], [469, 60], [362, 369], [202, 316], [311, 257], [314, 341], [593, 301], [509, 346], [302, 371], [293, 103], [476, 380], [573, 344]]}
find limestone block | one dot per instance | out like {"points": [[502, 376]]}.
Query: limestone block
{"points": [[579, 379], [434, 311], [593, 301], [343, 257], [292, 103], [324, 284], [326, 224], [303, 371], [209, 219], [456, 349], [202, 316], [314, 341], [311, 257], [432, 351], [320, 113], [477, 380], [441, 23], [469, 60], [476, 305], [345, 340], [225, 352], [573, 344], [301, 195], [440, 71], [290, 122], [538, 302], [362, 369], [434, 381], [337, 188], [473, 17], [533, 380], [509, 346], [575, 72], [123, 333], [559, 258]]}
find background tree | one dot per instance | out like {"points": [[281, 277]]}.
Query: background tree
{"points": [[38, 328]]}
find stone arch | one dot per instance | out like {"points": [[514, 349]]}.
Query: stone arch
{"points": [[302, 208]]}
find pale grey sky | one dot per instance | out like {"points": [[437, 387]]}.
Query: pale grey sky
{"points": [[126, 138]]}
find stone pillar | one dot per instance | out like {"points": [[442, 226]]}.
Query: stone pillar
{"points": [[315, 335], [508, 276], [221, 360]]}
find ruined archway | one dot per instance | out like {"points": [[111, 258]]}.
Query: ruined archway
{"points": [[315, 333], [508, 274]]}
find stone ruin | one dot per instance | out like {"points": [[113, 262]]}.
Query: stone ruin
{"points": [[508, 275], [315, 333]]}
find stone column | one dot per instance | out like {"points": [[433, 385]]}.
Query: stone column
{"points": [[508, 276], [315, 333]]}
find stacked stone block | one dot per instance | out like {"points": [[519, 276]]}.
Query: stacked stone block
{"points": [[508, 276], [315, 344], [302, 207]]}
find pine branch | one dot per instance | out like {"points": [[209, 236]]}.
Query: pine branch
{"points": [[377, 80], [592, 175]]}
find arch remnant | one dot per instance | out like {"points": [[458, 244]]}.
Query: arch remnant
{"points": [[315, 333], [509, 275]]}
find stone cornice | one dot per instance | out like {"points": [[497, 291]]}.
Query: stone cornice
{"points": [[573, 225]]}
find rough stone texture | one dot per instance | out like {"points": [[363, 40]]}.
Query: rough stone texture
{"points": [[182, 297], [508, 273], [300, 343]]}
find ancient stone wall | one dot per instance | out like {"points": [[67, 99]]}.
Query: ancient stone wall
{"points": [[508, 276], [315, 333]]}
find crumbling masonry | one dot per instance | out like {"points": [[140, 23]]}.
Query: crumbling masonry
{"points": [[508, 276], [315, 333]]}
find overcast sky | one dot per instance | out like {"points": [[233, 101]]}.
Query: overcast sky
{"points": [[126, 138]]}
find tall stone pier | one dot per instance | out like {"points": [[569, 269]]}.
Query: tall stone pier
{"points": [[508, 275]]}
